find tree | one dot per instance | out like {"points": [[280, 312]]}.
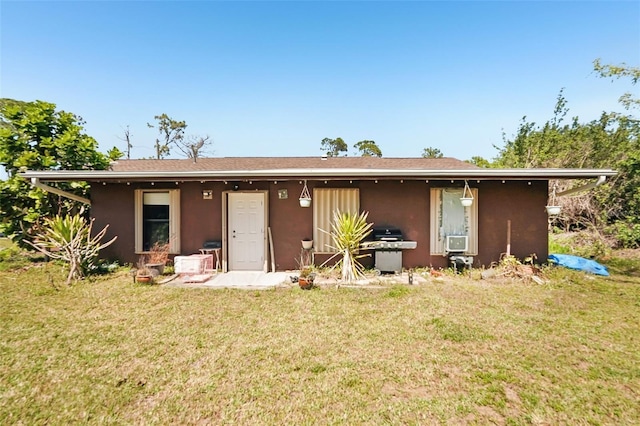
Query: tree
{"points": [[333, 147], [35, 136], [171, 132], [127, 138], [620, 71], [611, 141], [368, 149], [432, 153], [479, 161], [115, 154], [194, 146]]}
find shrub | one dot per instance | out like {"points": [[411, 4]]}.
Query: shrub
{"points": [[69, 239], [348, 230], [626, 234]]}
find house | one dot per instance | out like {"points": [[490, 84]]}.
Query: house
{"points": [[251, 206]]}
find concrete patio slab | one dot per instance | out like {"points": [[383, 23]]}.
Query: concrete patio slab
{"points": [[238, 279]]}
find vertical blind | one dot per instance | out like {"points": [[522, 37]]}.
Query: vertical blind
{"points": [[325, 202]]}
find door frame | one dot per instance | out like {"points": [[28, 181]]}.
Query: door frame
{"points": [[225, 226]]}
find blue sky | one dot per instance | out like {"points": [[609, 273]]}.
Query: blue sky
{"points": [[275, 78]]}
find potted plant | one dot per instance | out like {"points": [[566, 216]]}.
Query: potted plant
{"points": [[305, 196], [306, 278], [157, 257], [307, 244], [552, 208], [144, 275], [467, 196]]}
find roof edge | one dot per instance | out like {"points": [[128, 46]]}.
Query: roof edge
{"points": [[283, 174]]}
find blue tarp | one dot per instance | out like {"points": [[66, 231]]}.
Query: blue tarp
{"points": [[579, 263]]}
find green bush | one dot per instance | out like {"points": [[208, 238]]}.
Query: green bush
{"points": [[626, 234], [69, 238], [588, 244], [348, 230]]}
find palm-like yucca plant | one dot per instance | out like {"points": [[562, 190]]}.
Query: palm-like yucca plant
{"points": [[69, 239], [348, 230]]}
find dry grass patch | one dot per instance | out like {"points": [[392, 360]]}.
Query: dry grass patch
{"points": [[458, 351]]}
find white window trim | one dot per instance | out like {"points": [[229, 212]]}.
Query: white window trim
{"points": [[345, 199], [174, 219], [437, 240]]}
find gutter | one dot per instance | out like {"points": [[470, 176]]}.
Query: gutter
{"points": [[36, 182], [586, 187], [335, 173]]}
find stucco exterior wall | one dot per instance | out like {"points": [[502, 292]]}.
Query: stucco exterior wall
{"points": [[405, 205], [523, 204]]}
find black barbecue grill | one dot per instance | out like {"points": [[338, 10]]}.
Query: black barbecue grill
{"points": [[388, 245]]}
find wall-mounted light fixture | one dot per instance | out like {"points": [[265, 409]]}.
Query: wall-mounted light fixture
{"points": [[207, 194]]}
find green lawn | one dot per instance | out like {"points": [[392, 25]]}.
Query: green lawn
{"points": [[453, 351]]}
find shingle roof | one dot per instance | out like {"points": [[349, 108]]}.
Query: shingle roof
{"points": [[288, 163], [283, 168]]}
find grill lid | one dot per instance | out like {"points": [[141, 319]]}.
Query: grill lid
{"points": [[387, 234]]}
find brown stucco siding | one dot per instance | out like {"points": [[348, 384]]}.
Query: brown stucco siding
{"points": [[289, 223], [404, 206], [521, 203], [200, 219], [113, 205]]}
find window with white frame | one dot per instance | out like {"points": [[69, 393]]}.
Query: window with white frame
{"points": [[450, 218], [325, 202], [157, 218]]}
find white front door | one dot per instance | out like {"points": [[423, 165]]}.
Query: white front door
{"points": [[246, 231]]}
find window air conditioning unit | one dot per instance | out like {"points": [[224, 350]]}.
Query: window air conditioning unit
{"points": [[456, 243]]}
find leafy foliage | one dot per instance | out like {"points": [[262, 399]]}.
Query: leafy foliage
{"points": [[170, 132], [348, 230], [35, 136], [611, 141], [620, 71], [627, 234], [333, 147], [432, 153], [368, 149], [69, 239], [480, 162]]}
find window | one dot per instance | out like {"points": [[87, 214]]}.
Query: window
{"points": [[450, 218], [325, 202], [157, 216]]}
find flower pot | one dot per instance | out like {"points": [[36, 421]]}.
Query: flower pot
{"points": [[466, 202], [305, 283], [144, 279], [156, 268], [305, 202], [553, 210], [307, 244]]}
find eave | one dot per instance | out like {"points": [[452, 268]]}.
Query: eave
{"points": [[319, 173]]}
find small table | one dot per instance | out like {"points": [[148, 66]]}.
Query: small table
{"points": [[215, 251]]}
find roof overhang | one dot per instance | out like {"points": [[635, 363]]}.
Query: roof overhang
{"points": [[327, 174]]}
